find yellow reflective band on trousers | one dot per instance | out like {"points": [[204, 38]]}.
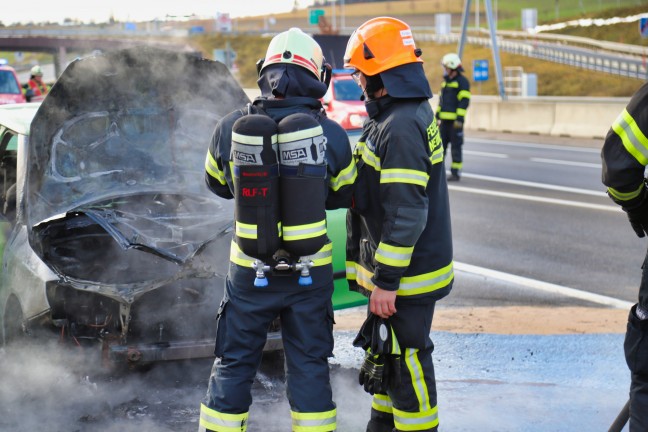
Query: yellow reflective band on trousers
{"points": [[213, 420], [409, 285], [382, 403], [314, 422], [394, 256], [346, 177], [419, 421], [323, 257], [306, 231], [400, 175], [456, 165], [626, 196], [447, 115], [212, 169], [634, 141], [417, 379]]}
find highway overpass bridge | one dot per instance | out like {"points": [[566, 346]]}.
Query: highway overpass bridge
{"points": [[62, 48]]}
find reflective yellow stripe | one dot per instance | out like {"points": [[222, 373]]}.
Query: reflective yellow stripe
{"points": [[346, 177], [251, 139], [394, 256], [633, 139], [300, 134], [382, 403], [447, 115], [437, 156], [247, 231], [398, 175], [463, 94], [368, 156], [323, 257], [452, 84], [461, 112], [417, 378], [418, 421], [306, 231], [456, 165], [314, 422], [409, 285], [214, 420], [626, 196], [212, 169], [350, 268]]}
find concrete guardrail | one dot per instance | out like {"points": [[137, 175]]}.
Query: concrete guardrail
{"points": [[584, 117]]}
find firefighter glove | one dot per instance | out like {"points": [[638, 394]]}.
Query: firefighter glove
{"points": [[458, 124], [380, 369], [638, 217]]}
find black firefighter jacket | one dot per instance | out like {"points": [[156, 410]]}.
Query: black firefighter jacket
{"points": [[625, 152], [454, 98], [341, 169], [399, 233]]}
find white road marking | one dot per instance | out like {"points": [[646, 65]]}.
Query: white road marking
{"points": [[564, 162], [486, 154], [543, 286], [534, 184], [535, 198], [537, 146]]}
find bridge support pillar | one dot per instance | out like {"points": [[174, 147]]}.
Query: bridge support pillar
{"points": [[60, 60]]}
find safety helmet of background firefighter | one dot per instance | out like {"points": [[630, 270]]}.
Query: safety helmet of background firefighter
{"points": [[452, 62], [284, 164]]}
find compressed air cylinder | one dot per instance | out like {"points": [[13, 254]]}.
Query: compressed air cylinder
{"points": [[256, 180], [302, 167]]}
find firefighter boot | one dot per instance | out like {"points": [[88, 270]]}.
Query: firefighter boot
{"points": [[636, 353], [380, 422]]}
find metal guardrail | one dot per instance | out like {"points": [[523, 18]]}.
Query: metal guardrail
{"points": [[600, 61]]}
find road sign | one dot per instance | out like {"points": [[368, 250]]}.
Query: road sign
{"points": [[529, 19], [643, 26], [480, 70], [313, 16]]}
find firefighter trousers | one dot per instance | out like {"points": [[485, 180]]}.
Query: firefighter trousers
{"points": [[412, 405], [453, 137], [245, 314], [636, 354]]}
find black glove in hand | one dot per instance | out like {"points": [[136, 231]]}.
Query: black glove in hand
{"points": [[379, 372], [381, 366], [638, 217]]}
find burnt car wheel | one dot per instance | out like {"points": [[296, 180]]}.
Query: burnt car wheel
{"points": [[12, 322]]}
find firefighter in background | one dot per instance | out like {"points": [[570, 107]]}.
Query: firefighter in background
{"points": [[36, 83], [292, 78], [399, 244], [625, 156], [451, 114]]}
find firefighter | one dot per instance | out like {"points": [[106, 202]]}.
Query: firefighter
{"points": [[292, 78], [625, 156], [399, 244], [36, 83], [451, 114]]}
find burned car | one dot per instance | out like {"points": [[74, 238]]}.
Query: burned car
{"points": [[113, 240]]}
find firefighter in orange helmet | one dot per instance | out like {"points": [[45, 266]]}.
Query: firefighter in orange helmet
{"points": [[399, 242]]}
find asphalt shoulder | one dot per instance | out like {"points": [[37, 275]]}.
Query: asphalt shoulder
{"points": [[535, 138]]}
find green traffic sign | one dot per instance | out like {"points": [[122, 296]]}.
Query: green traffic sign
{"points": [[313, 16]]}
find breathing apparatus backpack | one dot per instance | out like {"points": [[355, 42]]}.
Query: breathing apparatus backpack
{"points": [[280, 192]]}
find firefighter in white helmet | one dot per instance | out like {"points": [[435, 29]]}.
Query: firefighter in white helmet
{"points": [[451, 114], [239, 164]]}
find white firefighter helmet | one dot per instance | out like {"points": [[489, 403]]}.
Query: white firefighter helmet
{"points": [[451, 61], [293, 46], [36, 71]]}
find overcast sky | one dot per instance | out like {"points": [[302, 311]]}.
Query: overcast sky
{"points": [[139, 10]]}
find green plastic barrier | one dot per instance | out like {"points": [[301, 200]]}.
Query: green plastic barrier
{"points": [[336, 227]]}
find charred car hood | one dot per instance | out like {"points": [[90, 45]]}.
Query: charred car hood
{"points": [[127, 127]]}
